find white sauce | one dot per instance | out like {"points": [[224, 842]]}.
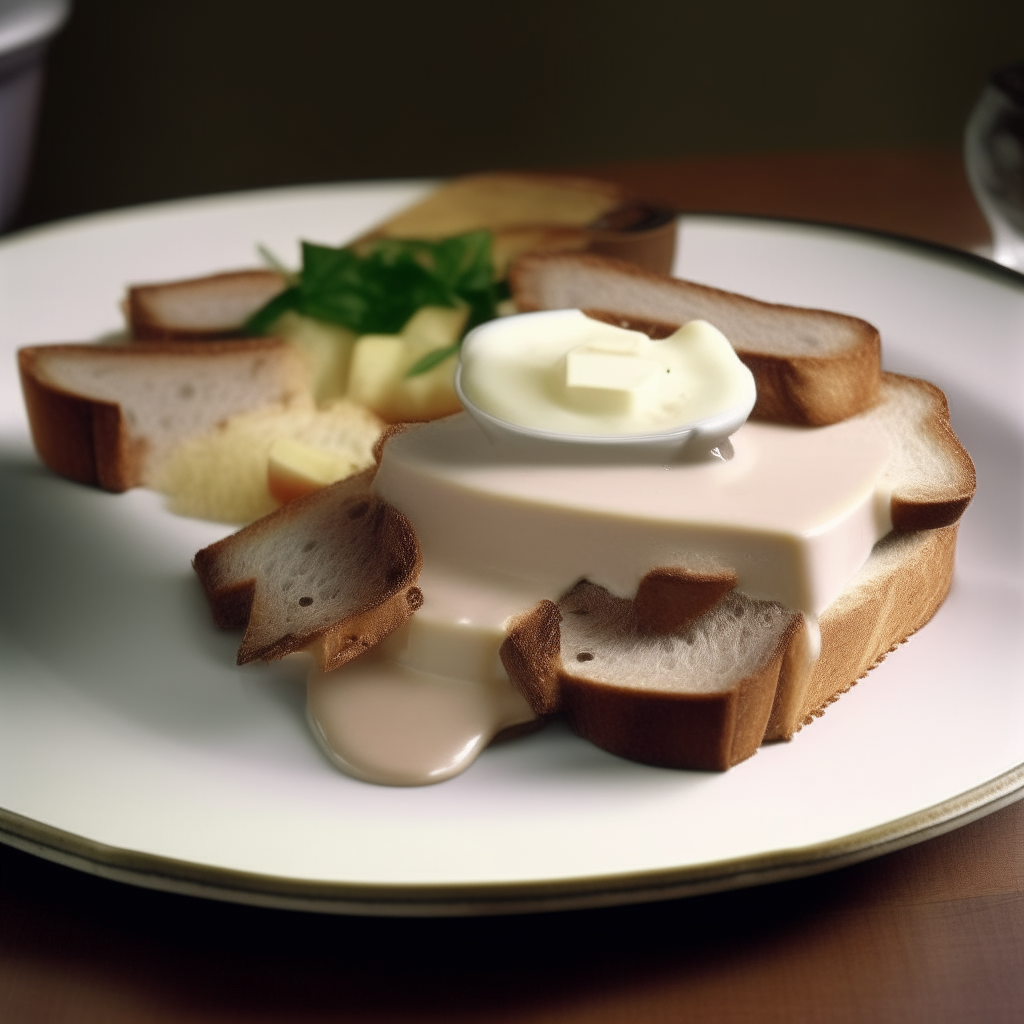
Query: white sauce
{"points": [[795, 513], [563, 373]]}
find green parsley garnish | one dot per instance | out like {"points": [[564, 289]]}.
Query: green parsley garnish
{"points": [[377, 291]]}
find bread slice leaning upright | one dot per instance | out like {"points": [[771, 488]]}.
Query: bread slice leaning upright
{"points": [[523, 212], [109, 415], [812, 367], [199, 308]]}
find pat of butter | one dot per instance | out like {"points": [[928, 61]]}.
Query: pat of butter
{"points": [[613, 380], [564, 373]]}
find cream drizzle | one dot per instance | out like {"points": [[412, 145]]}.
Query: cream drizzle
{"points": [[795, 513]]}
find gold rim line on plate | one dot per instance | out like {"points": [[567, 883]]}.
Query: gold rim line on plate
{"points": [[448, 899]]}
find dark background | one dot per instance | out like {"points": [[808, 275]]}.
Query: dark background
{"points": [[151, 99]]}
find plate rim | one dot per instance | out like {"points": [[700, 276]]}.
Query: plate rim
{"points": [[187, 878], [168, 874]]}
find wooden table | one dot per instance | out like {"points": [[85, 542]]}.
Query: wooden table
{"points": [[932, 933]]}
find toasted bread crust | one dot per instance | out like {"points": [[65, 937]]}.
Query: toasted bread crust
{"points": [[82, 439], [87, 439], [358, 633], [874, 615], [667, 599], [530, 654], [711, 731], [703, 731], [928, 507], [795, 388], [378, 579], [898, 592], [604, 218], [814, 392], [61, 425], [149, 307]]}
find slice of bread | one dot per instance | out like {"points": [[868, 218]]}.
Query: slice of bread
{"points": [[692, 674], [896, 592], [707, 694], [812, 367], [930, 476], [541, 212], [699, 696], [498, 201], [523, 212], [215, 306], [332, 572], [110, 415]]}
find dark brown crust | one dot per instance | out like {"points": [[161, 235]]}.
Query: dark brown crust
{"points": [[667, 599], [652, 249], [710, 732], [145, 324], [530, 654], [85, 439], [673, 730], [379, 608], [390, 431], [797, 390], [814, 391], [358, 633], [61, 424]]}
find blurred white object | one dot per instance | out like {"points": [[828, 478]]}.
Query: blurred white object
{"points": [[994, 154], [26, 26]]}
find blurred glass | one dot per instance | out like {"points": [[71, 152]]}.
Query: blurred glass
{"points": [[994, 154], [26, 27]]}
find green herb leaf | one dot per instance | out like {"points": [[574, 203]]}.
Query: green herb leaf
{"points": [[432, 359], [378, 292]]}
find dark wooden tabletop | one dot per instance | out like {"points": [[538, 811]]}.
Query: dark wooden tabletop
{"points": [[932, 933]]}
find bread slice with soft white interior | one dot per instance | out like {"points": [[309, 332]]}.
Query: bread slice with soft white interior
{"points": [[693, 674], [699, 696], [812, 367], [929, 474], [524, 212], [708, 693], [214, 306], [333, 572], [109, 415]]}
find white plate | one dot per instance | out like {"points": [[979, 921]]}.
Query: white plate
{"points": [[131, 745]]}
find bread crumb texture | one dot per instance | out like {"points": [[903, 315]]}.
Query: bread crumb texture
{"points": [[601, 641], [222, 474], [332, 571]]}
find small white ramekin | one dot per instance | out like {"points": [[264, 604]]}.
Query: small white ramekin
{"points": [[694, 438]]}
